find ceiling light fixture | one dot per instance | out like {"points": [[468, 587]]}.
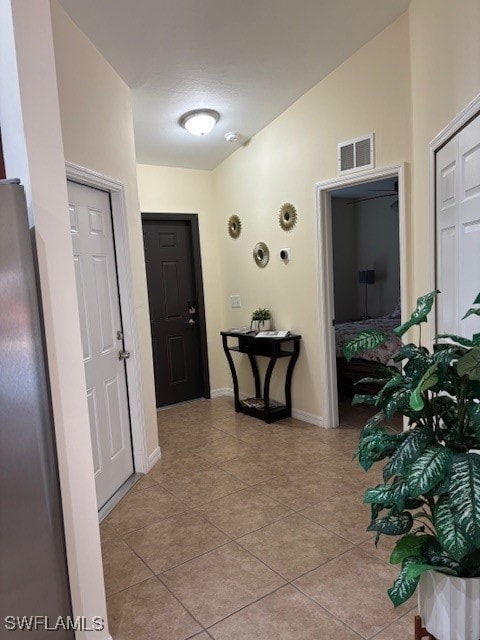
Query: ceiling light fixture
{"points": [[200, 121]]}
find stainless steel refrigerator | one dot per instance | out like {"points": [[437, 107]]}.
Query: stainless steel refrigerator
{"points": [[33, 568]]}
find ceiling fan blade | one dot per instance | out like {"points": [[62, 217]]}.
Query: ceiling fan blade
{"points": [[394, 190], [385, 195]]}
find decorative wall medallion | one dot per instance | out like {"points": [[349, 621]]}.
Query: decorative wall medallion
{"points": [[234, 226], [287, 216], [261, 254]]}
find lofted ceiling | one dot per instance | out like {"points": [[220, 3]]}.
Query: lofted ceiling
{"points": [[247, 59]]}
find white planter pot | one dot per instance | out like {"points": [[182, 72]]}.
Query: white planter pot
{"points": [[261, 325], [450, 606]]}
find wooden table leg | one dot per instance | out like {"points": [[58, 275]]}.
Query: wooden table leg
{"points": [[420, 631]]}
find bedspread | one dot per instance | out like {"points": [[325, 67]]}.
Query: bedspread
{"points": [[382, 354]]}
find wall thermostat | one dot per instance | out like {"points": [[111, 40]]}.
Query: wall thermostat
{"points": [[285, 255]]}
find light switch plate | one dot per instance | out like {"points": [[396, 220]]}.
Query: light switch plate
{"points": [[235, 302]]}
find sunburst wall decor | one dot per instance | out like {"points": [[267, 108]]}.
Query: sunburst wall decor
{"points": [[234, 226], [287, 216]]}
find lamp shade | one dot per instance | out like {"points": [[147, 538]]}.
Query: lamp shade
{"points": [[366, 277], [200, 121]]}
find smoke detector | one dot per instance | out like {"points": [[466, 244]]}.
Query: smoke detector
{"points": [[232, 136]]}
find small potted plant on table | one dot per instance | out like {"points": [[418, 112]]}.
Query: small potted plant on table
{"points": [[261, 320], [430, 495]]}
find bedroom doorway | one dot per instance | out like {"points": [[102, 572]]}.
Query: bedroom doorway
{"points": [[366, 283], [362, 274]]}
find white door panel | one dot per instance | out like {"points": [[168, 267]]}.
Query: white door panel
{"points": [[101, 326], [458, 230], [447, 237], [447, 312]]}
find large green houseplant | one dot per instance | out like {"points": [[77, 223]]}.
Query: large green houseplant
{"points": [[430, 495]]}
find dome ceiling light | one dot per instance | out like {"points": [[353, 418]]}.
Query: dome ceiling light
{"points": [[200, 121]]}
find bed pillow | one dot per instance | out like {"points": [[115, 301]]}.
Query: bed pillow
{"points": [[397, 312]]}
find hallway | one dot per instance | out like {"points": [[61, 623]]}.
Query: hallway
{"points": [[249, 531]]}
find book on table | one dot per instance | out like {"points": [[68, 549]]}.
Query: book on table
{"points": [[272, 334], [241, 330], [259, 403]]}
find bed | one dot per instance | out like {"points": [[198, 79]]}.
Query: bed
{"points": [[364, 365]]}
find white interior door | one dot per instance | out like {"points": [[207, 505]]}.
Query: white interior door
{"points": [[102, 339], [458, 230]]}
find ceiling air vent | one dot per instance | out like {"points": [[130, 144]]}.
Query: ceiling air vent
{"points": [[356, 154]]}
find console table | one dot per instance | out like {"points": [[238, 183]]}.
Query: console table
{"points": [[273, 348]]}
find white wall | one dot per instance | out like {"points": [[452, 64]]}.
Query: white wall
{"points": [[365, 236], [97, 130], [345, 270], [369, 92], [445, 50], [378, 249]]}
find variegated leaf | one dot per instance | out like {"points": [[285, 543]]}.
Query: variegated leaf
{"points": [[469, 364], [398, 401], [392, 384], [403, 587], [450, 535], [361, 398], [374, 421], [364, 341], [465, 342], [375, 445], [436, 555], [465, 494], [409, 545], [473, 311], [389, 495], [408, 451], [428, 470], [411, 351], [427, 381], [424, 306], [392, 525], [416, 570]]}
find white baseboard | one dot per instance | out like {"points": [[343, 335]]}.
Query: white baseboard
{"points": [[296, 413], [308, 417], [217, 393], [154, 457]]}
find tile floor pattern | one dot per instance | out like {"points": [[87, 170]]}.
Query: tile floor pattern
{"points": [[248, 531]]}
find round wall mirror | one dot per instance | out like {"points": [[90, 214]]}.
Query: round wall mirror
{"points": [[261, 254]]}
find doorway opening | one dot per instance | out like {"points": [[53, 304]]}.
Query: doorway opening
{"points": [[362, 275], [177, 307], [366, 283]]}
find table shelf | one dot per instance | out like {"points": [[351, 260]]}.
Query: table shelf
{"points": [[272, 348]]}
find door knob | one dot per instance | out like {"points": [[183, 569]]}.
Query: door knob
{"points": [[123, 355]]}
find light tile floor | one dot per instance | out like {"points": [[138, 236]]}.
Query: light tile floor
{"points": [[248, 531]]}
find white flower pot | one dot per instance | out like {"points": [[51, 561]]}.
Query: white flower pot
{"points": [[450, 606], [261, 325]]}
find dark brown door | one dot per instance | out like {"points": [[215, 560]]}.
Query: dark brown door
{"points": [[175, 292]]}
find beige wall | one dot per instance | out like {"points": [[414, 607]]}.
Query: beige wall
{"points": [[369, 92], [97, 129], [171, 190], [31, 131], [445, 54]]}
